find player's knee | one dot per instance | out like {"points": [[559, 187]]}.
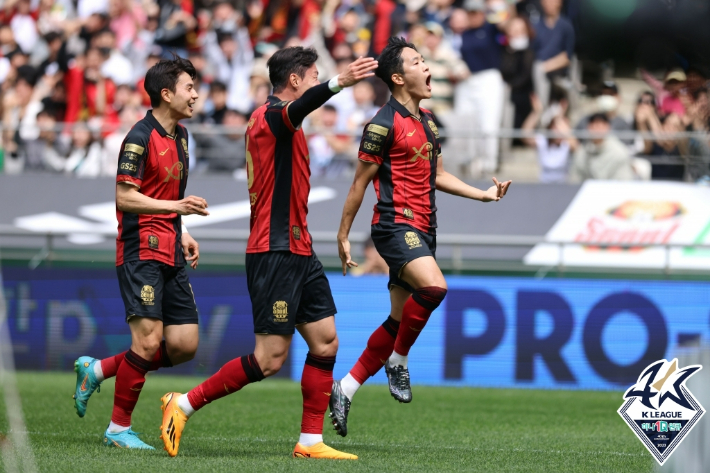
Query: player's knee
{"points": [[430, 297], [146, 347], [271, 363], [326, 347]]}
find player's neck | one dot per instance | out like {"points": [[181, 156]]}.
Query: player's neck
{"points": [[407, 101], [166, 119], [286, 95]]}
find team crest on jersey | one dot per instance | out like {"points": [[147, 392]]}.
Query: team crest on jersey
{"points": [[660, 409], [433, 128], [280, 311], [147, 295], [408, 214], [412, 240], [175, 172], [153, 242], [296, 232]]}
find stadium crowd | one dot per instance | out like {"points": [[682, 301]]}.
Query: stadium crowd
{"points": [[71, 74]]}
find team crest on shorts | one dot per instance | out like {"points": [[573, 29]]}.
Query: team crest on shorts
{"points": [[660, 409], [153, 242], [412, 239], [280, 311], [147, 295]]}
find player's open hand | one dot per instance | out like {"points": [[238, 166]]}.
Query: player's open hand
{"points": [[497, 191], [192, 205], [191, 250], [344, 253], [360, 69]]}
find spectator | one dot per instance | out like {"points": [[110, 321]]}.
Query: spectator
{"points": [[553, 152], [218, 104], [554, 47], [696, 80], [21, 104], [458, 24], [329, 150], [446, 69], [605, 157], [482, 92], [115, 66], [46, 152], [86, 155], [213, 157], [89, 93], [127, 18], [365, 109], [233, 58], [608, 104], [669, 92], [23, 27], [516, 67], [175, 24], [676, 158]]}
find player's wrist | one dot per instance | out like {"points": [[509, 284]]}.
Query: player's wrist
{"points": [[335, 84]]}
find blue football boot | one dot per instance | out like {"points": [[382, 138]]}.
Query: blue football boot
{"points": [[126, 439], [86, 383]]}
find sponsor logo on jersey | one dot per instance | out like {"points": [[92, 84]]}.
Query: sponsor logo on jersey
{"points": [[296, 232], [153, 242], [134, 149], [424, 152], [408, 214], [175, 172]]}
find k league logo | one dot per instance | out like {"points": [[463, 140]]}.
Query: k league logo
{"points": [[660, 409]]}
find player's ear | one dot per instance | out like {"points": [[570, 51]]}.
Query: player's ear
{"points": [[294, 80], [167, 95], [398, 79]]}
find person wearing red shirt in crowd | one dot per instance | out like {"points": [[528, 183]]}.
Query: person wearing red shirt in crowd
{"points": [[400, 153], [287, 285], [152, 250]]}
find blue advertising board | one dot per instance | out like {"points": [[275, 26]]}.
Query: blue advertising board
{"points": [[490, 331]]}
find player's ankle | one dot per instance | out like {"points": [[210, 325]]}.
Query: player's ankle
{"points": [[183, 403], [349, 385], [398, 360], [114, 428], [308, 440]]}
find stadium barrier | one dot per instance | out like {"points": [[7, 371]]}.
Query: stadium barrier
{"points": [[502, 332]]}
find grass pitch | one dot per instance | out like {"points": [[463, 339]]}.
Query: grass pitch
{"points": [[443, 429]]}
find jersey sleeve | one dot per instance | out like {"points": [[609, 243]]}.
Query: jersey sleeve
{"points": [[277, 117], [373, 143], [132, 159]]}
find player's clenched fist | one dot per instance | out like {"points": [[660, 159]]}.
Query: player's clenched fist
{"points": [[358, 70], [192, 205]]}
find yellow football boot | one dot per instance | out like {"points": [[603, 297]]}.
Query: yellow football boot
{"points": [[321, 450], [174, 420]]}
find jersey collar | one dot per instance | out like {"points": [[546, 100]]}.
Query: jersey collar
{"points": [[156, 124], [401, 109]]}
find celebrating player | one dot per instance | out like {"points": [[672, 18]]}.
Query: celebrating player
{"points": [[400, 152], [151, 251], [287, 286]]}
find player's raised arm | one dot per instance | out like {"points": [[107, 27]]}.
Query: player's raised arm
{"points": [[129, 199], [446, 182], [360, 69], [364, 173]]}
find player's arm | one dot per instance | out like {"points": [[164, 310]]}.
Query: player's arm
{"points": [[130, 199], [364, 173], [446, 182], [299, 109]]}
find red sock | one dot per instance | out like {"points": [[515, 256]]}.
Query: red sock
{"points": [[316, 383], [379, 348], [415, 315], [233, 376], [109, 366], [129, 382]]}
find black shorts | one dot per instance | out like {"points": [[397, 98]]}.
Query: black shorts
{"points": [[398, 244], [157, 290], [287, 290]]}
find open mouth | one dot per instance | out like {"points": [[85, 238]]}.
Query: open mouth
{"points": [[190, 105], [428, 82]]}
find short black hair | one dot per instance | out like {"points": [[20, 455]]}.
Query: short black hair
{"points": [[390, 60], [164, 75], [294, 60], [329, 108], [598, 117], [217, 86]]}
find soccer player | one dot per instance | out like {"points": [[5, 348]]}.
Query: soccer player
{"points": [[400, 152], [152, 249], [287, 286]]}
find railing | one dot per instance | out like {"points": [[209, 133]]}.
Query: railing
{"points": [[454, 241]]}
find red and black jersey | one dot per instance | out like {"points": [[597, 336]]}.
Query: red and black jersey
{"points": [[407, 149], [156, 163], [278, 175]]}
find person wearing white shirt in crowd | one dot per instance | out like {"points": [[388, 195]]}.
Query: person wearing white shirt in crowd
{"points": [[86, 155], [24, 27]]}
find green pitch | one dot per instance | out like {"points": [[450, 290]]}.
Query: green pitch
{"points": [[443, 429]]}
